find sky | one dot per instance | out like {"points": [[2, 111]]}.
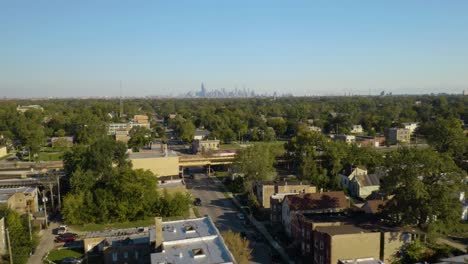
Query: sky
{"points": [[59, 48]]}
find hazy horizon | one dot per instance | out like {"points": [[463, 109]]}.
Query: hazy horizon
{"points": [[84, 48]]}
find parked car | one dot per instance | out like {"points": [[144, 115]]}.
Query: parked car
{"points": [[71, 260], [62, 229], [197, 202], [241, 216], [65, 238]]}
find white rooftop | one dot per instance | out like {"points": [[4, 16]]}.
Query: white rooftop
{"points": [[361, 261], [191, 241]]}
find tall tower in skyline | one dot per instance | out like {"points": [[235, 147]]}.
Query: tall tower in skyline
{"points": [[203, 90]]}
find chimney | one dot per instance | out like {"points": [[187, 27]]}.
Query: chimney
{"points": [[158, 233]]}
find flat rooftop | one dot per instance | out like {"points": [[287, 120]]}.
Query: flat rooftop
{"points": [[153, 153], [6, 193], [341, 230], [210, 251], [136, 231], [361, 261], [185, 229]]}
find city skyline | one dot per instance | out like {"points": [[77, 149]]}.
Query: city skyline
{"points": [[63, 49]]}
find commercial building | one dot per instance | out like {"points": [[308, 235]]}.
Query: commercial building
{"points": [[265, 190], [160, 161], [203, 146], [411, 126], [20, 199], [396, 135], [188, 241], [349, 139], [369, 141], [183, 241]]}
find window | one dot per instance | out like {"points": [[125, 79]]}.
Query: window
{"points": [[321, 244], [321, 259], [126, 254], [136, 254], [308, 248], [303, 232], [316, 244], [303, 246], [114, 256]]}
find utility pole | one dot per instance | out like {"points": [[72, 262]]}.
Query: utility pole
{"points": [[52, 195], [58, 190], [44, 199], [9, 246], [29, 221]]}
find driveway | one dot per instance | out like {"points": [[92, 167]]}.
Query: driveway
{"points": [[46, 244]]}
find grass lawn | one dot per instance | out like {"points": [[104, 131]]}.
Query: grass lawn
{"points": [[122, 225], [57, 255], [48, 156], [97, 227]]}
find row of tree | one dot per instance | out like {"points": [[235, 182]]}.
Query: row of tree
{"points": [[104, 187]]}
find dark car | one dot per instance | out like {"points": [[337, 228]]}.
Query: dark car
{"points": [[64, 238], [197, 202], [71, 260]]}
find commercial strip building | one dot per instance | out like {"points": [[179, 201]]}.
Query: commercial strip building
{"points": [[183, 241]]}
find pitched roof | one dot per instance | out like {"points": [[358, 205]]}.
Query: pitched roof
{"points": [[374, 205], [368, 179], [315, 201]]}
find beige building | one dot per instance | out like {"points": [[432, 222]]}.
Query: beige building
{"points": [[265, 190], [3, 151], [20, 199], [161, 162], [140, 119], [205, 145], [331, 242], [122, 136], [396, 135]]}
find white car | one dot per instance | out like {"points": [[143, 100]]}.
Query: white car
{"points": [[62, 229], [241, 216]]}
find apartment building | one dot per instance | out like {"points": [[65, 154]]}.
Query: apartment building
{"points": [[264, 190]]}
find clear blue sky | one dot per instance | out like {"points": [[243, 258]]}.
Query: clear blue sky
{"points": [[82, 48]]}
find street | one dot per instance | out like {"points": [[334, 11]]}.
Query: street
{"points": [[224, 213], [46, 243]]}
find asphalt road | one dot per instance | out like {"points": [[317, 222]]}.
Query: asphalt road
{"points": [[224, 214]]}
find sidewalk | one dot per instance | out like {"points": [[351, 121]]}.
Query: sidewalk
{"points": [[258, 225]]}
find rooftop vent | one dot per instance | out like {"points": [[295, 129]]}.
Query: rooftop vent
{"points": [[198, 253]]}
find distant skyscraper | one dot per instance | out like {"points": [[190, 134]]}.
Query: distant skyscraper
{"points": [[203, 90]]}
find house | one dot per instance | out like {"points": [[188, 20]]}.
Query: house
{"points": [[3, 151], [396, 135], [25, 108], [349, 139], [315, 128], [20, 199], [189, 241], [358, 182], [373, 206], [317, 203], [204, 146], [113, 127], [200, 134], [159, 160], [356, 129], [61, 142], [264, 190], [411, 126]]}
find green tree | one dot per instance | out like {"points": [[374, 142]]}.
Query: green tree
{"points": [[425, 186], [139, 137], [21, 244], [238, 246], [256, 163]]}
